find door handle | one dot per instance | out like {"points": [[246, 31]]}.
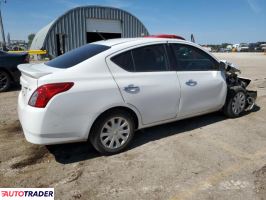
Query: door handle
{"points": [[191, 82], [132, 89]]}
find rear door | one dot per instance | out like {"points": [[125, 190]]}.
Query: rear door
{"points": [[203, 85], [145, 82]]}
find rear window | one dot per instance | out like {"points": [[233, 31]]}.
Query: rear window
{"points": [[76, 56]]}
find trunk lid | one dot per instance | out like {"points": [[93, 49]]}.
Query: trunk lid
{"points": [[30, 73]]}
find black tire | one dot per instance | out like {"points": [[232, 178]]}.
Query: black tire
{"points": [[5, 81], [228, 108], [97, 128]]}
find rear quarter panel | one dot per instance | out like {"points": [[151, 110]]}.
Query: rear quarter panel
{"points": [[74, 111]]}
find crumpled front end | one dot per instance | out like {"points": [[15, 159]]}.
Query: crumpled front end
{"points": [[232, 78]]}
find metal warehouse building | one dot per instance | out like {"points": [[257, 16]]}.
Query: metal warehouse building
{"points": [[86, 24]]}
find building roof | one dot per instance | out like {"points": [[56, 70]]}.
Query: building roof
{"points": [[40, 39]]}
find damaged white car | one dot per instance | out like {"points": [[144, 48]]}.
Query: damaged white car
{"points": [[105, 91]]}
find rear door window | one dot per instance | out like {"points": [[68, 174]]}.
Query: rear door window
{"points": [[76, 56], [150, 58]]}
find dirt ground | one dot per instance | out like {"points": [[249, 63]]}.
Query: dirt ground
{"points": [[207, 157]]}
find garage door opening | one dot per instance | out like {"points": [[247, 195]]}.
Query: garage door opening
{"points": [[100, 29], [60, 44], [96, 36]]}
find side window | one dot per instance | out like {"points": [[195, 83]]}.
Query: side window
{"points": [[125, 61], [150, 58], [189, 58]]}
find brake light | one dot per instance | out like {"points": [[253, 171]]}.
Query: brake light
{"points": [[44, 93]]}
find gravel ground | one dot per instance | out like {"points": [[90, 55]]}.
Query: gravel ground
{"points": [[207, 157]]}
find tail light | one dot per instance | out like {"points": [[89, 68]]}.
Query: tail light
{"points": [[44, 93]]}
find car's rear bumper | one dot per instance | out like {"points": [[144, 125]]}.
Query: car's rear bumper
{"points": [[40, 127], [42, 139]]}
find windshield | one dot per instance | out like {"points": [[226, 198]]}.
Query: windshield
{"points": [[76, 56]]}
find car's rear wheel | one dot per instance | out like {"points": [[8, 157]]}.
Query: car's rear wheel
{"points": [[112, 132], [235, 102], [5, 81]]}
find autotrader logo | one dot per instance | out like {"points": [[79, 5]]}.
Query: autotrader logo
{"points": [[26, 193]]}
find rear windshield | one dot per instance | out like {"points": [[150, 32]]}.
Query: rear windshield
{"points": [[76, 56]]}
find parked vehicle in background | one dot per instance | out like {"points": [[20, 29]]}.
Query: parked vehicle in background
{"points": [[252, 47], [222, 50], [104, 91], [257, 47], [263, 47], [243, 47], [9, 72]]}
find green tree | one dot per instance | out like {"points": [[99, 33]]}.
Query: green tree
{"points": [[30, 38], [224, 45]]}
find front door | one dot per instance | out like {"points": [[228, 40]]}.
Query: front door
{"points": [[203, 86]]}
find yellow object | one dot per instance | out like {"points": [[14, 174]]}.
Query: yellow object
{"points": [[31, 52], [234, 50]]}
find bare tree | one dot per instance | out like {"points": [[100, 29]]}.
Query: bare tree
{"points": [[30, 38]]}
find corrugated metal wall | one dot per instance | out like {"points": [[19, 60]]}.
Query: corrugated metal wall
{"points": [[73, 24]]}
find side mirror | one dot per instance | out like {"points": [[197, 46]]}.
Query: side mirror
{"points": [[222, 66], [226, 66]]}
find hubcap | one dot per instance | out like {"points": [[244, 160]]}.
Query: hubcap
{"points": [[239, 103], [3, 80], [115, 133]]}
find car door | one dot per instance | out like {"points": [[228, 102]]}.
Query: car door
{"points": [[203, 85], [145, 82]]}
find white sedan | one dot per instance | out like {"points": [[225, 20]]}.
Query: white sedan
{"points": [[104, 91]]}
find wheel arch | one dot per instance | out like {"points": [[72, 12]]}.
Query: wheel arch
{"points": [[132, 111], [230, 95]]}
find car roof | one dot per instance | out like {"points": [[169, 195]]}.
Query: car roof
{"points": [[112, 42], [123, 43], [127, 42], [139, 40]]}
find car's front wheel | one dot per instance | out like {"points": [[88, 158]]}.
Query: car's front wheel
{"points": [[235, 102], [5, 81], [112, 132]]}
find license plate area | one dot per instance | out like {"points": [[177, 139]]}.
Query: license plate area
{"points": [[24, 89]]}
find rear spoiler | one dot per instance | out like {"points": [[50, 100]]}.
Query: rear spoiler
{"points": [[31, 71]]}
